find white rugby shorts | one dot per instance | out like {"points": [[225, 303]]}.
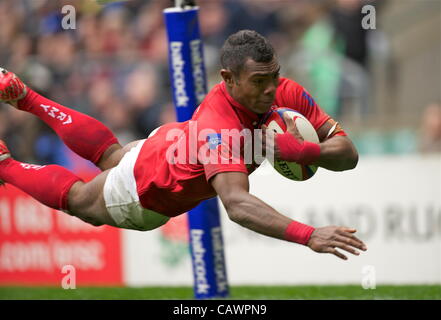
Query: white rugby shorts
{"points": [[122, 200]]}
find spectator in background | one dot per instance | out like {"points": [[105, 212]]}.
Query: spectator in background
{"points": [[346, 17], [261, 14], [318, 55], [430, 139], [4, 123], [141, 99], [110, 42]]}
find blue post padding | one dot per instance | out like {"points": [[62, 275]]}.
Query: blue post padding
{"points": [[207, 250], [189, 84], [187, 70]]}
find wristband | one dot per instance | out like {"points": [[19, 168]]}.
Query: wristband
{"points": [[298, 232], [293, 150]]}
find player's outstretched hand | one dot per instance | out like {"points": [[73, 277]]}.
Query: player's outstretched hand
{"points": [[328, 239]]}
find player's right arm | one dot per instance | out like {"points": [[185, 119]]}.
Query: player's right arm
{"points": [[254, 214], [247, 210]]}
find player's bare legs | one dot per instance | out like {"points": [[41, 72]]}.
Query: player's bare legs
{"points": [[113, 155], [86, 200], [53, 185]]}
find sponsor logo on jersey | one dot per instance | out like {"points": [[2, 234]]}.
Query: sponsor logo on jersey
{"points": [[214, 140], [310, 100]]}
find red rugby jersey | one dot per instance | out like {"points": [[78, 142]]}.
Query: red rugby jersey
{"points": [[174, 166]]}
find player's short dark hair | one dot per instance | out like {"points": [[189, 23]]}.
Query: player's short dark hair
{"points": [[242, 45]]}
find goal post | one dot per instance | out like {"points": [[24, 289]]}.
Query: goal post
{"points": [[189, 87]]}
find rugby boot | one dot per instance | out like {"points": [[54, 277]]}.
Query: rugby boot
{"points": [[12, 88]]}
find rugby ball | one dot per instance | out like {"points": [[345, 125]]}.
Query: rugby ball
{"points": [[274, 121]]}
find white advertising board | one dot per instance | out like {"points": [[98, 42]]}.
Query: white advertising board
{"points": [[394, 203]]}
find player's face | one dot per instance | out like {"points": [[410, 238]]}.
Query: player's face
{"points": [[255, 87]]}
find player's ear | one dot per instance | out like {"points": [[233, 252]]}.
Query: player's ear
{"points": [[227, 75]]}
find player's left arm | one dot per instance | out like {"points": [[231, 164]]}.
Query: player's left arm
{"points": [[335, 151]]}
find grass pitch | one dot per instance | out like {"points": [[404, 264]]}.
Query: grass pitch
{"points": [[340, 292]]}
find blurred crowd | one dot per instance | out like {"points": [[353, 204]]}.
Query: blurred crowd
{"points": [[113, 65]]}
